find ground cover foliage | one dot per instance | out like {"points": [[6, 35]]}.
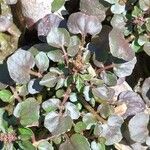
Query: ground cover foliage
{"points": [[66, 88]]}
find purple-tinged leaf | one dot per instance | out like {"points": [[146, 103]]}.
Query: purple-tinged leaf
{"points": [[119, 47], [86, 6], [138, 127], [146, 91], [83, 24], [45, 24], [19, 65], [124, 69], [133, 102]]}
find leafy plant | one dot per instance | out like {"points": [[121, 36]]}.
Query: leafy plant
{"points": [[69, 92]]}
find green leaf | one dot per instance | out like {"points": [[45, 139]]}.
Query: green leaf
{"points": [[135, 46], [109, 78], [79, 142], [42, 61], [51, 104], [3, 123], [28, 112], [49, 80], [45, 145], [57, 4], [89, 120], [25, 133], [136, 12], [26, 145], [6, 96], [79, 83], [79, 127], [73, 46], [58, 37], [56, 56]]}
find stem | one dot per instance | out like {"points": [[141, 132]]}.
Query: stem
{"points": [[83, 40], [90, 109], [105, 68], [37, 74], [66, 96], [65, 55], [15, 94]]}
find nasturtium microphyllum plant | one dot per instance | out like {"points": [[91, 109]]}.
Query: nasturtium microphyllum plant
{"points": [[68, 92]]}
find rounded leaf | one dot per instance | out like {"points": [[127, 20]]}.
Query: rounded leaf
{"points": [[58, 37], [138, 127], [19, 65], [83, 24]]}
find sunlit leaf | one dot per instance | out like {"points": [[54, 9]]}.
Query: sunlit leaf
{"points": [[58, 37], [73, 46], [146, 90], [103, 93], [5, 23], [49, 80], [42, 61], [117, 8], [57, 124], [86, 6], [119, 47], [19, 65], [124, 69], [138, 127], [72, 110], [45, 25], [147, 48], [133, 101], [56, 55], [83, 24], [111, 131], [34, 86]]}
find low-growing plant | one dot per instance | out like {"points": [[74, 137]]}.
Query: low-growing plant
{"points": [[69, 93]]}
